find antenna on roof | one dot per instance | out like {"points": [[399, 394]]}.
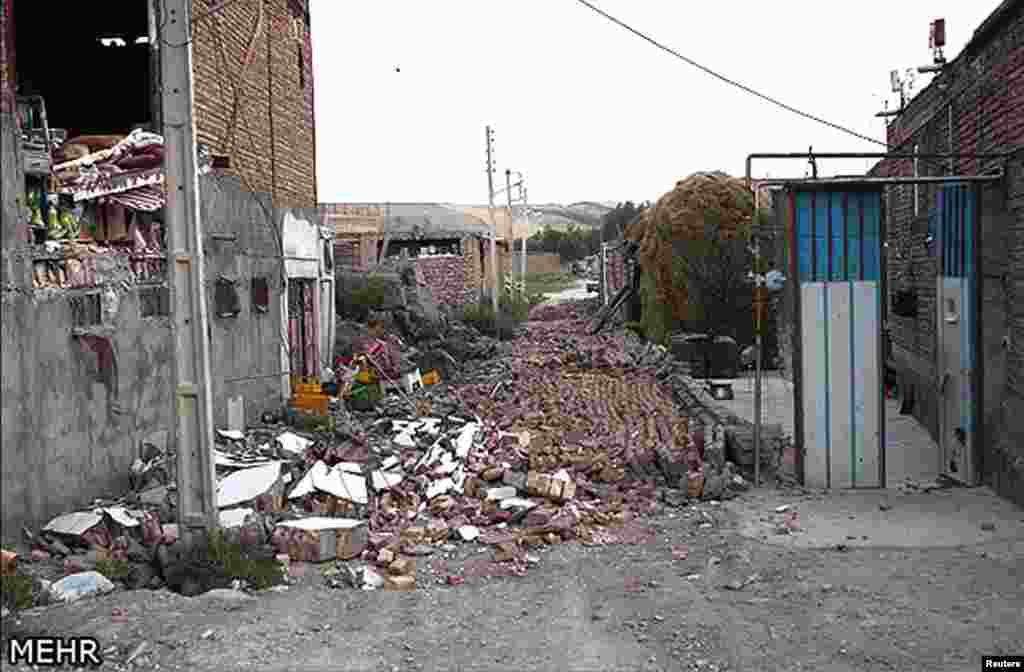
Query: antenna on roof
{"points": [[936, 41]]}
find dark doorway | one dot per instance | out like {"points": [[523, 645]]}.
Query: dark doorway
{"points": [[90, 61]]}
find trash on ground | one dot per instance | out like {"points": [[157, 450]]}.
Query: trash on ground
{"points": [[76, 586]]}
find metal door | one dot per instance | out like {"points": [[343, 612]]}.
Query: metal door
{"points": [[957, 317], [835, 255]]}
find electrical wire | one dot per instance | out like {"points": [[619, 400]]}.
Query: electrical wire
{"points": [[774, 101], [732, 82]]}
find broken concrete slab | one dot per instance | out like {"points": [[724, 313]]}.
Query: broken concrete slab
{"points": [[247, 484], [499, 494], [232, 518], [74, 524], [468, 532], [335, 481], [322, 539], [292, 444]]}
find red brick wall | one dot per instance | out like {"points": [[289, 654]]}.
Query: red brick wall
{"points": [[269, 131], [976, 105], [445, 276], [987, 83]]}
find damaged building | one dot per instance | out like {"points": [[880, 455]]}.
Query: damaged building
{"points": [[86, 322], [449, 247]]}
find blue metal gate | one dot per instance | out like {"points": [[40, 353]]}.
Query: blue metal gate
{"points": [[954, 217], [835, 255]]}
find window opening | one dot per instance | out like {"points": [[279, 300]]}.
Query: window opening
{"points": [[261, 294], [225, 298]]}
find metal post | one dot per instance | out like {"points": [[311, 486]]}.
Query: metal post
{"points": [[526, 234], [757, 345], [193, 441], [494, 226]]}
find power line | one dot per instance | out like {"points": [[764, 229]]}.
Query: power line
{"points": [[742, 87]]}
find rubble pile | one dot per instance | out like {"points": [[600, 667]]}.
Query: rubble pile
{"points": [[557, 436], [566, 310]]}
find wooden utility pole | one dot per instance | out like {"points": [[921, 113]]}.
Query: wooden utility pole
{"points": [[494, 226], [193, 438]]}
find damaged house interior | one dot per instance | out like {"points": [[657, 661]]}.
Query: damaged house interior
{"points": [[93, 163]]}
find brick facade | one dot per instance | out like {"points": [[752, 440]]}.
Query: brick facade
{"points": [[975, 105], [254, 96], [6, 63]]}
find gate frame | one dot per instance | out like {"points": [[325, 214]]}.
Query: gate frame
{"points": [[994, 175]]}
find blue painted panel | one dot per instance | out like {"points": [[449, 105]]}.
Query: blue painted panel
{"points": [[955, 214], [805, 240], [838, 229], [821, 242], [855, 215]]}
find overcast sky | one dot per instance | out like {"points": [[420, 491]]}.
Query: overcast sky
{"points": [[589, 111]]}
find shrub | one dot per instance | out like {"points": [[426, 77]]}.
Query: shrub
{"points": [[233, 562]]}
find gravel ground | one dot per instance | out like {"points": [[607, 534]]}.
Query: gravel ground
{"points": [[690, 598]]}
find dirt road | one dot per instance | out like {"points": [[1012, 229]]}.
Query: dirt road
{"points": [[614, 608], [577, 292]]}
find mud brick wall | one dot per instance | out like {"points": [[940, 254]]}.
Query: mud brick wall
{"points": [[254, 96]]}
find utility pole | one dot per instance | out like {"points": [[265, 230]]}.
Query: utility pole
{"points": [[193, 439], [511, 221], [494, 227]]}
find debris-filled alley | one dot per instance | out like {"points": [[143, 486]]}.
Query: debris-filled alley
{"points": [[545, 504], [251, 423]]}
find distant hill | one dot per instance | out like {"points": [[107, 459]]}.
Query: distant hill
{"points": [[560, 217]]}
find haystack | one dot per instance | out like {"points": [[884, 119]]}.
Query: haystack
{"points": [[683, 213]]}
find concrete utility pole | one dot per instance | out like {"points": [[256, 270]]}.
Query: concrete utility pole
{"points": [[494, 227], [193, 441]]}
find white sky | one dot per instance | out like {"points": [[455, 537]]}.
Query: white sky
{"points": [[589, 111]]}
